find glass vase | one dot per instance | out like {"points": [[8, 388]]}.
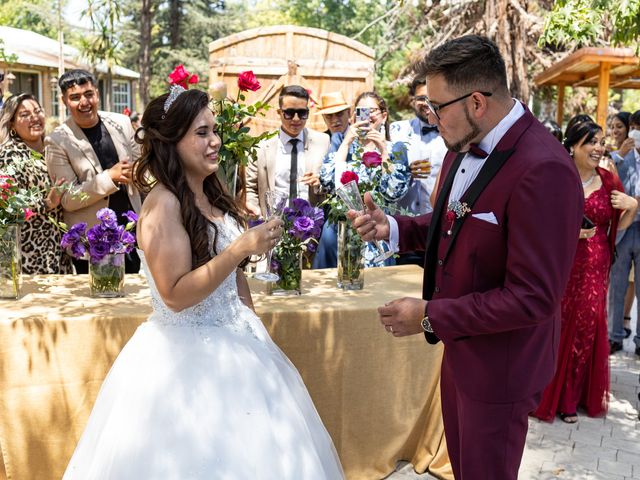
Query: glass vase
{"points": [[10, 262], [288, 265], [350, 258], [106, 276]]}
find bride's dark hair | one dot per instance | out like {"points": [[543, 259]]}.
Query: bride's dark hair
{"points": [[160, 162]]}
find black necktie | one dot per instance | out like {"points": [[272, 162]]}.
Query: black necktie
{"points": [[429, 128], [293, 174]]}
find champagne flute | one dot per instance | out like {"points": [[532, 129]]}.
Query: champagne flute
{"points": [[274, 202], [350, 195]]}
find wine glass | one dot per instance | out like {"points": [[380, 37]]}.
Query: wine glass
{"points": [[350, 195], [274, 202]]}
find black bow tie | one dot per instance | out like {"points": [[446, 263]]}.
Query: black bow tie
{"points": [[429, 128], [476, 151]]}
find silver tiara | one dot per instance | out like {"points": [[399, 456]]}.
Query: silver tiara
{"points": [[174, 93]]}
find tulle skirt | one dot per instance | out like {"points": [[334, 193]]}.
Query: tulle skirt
{"points": [[203, 403]]}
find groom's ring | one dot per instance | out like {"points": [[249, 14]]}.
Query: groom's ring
{"points": [[389, 328]]}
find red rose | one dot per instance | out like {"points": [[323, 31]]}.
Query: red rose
{"points": [[126, 111], [248, 81], [347, 176], [371, 159], [194, 78], [179, 76], [451, 216]]}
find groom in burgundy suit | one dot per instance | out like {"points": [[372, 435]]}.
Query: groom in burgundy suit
{"points": [[499, 248]]}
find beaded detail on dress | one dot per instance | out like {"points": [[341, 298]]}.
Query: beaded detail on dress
{"points": [[222, 308]]}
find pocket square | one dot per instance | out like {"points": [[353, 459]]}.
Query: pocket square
{"points": [[486, 217]]}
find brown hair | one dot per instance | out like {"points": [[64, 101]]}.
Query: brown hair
{"points": [[8, 113], [159, 134], [469, 63], [382, 105]]}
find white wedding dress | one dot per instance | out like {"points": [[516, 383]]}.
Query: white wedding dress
{"points": [[204, 394]]}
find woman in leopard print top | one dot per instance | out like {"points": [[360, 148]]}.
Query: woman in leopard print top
{"points": [[22, 146]]}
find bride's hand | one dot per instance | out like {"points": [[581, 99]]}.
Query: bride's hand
{"points": [[258, 240]]}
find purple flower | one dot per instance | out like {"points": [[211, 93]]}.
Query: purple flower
{"points": [[131, 216], [311, 247], [254, 222], [78, 250], [289, 214], [128, 239], [96, 234], [78, 229], [98, 251], [107, 217], [300, 205], [302, 228]]}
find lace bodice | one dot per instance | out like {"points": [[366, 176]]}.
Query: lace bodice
{"points": [[222, 308]]}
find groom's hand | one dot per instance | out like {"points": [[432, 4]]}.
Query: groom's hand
{"points": [[403, 316], [373, 224]]}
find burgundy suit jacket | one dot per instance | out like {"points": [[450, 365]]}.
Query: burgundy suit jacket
{"points": [[496, 289]]}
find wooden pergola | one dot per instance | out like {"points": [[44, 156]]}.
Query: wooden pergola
{"points": [[602, 68]]}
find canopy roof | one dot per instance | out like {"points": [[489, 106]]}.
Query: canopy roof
{"points": [[602, 68]]}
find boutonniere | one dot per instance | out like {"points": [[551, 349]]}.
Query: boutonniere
{"points": [[456, 210]]}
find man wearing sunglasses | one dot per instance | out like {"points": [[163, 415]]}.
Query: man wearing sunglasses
{"points": [[289, 162], [499, 248]]}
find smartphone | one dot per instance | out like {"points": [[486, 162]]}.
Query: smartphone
{"points": [[587, 223], [363, 114]]}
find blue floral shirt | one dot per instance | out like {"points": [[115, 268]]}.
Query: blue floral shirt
{"points": [[393, 185]]}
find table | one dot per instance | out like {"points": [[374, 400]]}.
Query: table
{"points": [[377, 395]]}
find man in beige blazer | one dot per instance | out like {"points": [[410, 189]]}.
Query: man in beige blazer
{"points": [[94, 150], [290, 161]]}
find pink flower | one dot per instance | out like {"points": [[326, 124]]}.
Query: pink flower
{"points": [[28, 213], [248, 81], [347, 176], [371, 159], [179, 76]]}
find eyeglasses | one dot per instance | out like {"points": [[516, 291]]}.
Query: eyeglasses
{"points": [[289, 113], [436, 108]]}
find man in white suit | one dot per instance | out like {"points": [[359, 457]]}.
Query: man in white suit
{"points": [[289, 162], [95, 150]]}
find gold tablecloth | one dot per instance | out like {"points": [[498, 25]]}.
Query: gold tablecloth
{"points": [[377, 395]]}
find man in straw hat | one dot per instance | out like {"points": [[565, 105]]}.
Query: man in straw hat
{"points": [[335, 111]]}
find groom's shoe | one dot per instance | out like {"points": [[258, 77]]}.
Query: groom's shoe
{"points": [[614, 347]]}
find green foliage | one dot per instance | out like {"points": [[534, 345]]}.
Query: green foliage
{"points": [[583, 22], [39, 16]]}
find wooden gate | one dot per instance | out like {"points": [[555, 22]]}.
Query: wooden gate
{"points": [[282, 55]]}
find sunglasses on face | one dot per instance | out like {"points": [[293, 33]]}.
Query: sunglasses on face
{"points": [[289, 113]]}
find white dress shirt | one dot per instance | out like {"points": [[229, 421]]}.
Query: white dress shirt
{"points": [[283, 164], [470, 165]]}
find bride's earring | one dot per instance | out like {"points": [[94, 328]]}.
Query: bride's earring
{"points": [[571, 152]]}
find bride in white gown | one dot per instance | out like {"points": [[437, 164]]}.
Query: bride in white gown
{"points": [[200, 391]]}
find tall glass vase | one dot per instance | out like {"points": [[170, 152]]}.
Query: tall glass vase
{"points": [[10, 262], [106, 276], [350, 258], [288, 265]]}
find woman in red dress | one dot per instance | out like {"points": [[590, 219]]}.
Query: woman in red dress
{"points": [[582, 372]]}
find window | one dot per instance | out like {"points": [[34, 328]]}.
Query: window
{"points": [[26, 83], [121, 96]]}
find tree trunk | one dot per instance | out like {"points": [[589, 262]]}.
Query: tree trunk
{"points": [[174, 23], [144, 57]]}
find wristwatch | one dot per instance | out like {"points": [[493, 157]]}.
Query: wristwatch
{"points": [[426, 324]]}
